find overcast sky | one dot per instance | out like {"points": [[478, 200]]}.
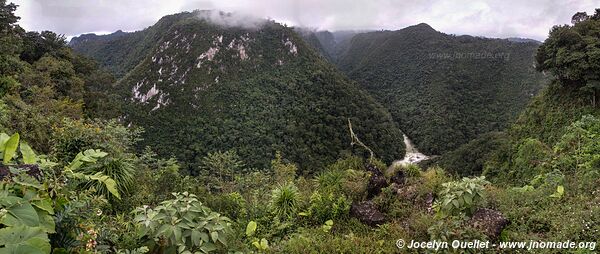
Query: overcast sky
{"points": [[490, 18]]}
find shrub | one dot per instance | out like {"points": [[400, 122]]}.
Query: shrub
{"points": [[579, 148], [184, 224], [355, 184], [453, 228], [324, 207], [119, 169], [433, 178], [231, 204], [461, 197], [351, 162], [532, 158], [73, 136], [222, 164], [409, 170], [331, 181], [284, 201], [284, 172]]}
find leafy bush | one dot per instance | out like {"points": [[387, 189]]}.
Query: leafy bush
{"points": [[433, 179], [25, 216], [532, 157], [461, 197], [121, 170], [285, 201], [578, 148], [284, 172], [409, 170], [233, 205], [27, 206], [355, 184], [183, 224], [331, 181], [220, 168], [73, 136], [454, 228], [324, 207]]}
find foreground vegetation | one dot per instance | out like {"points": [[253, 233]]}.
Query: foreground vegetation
{"points": [[72, 180]]}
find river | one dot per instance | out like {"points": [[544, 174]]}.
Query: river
{"points": [[412, 155]]}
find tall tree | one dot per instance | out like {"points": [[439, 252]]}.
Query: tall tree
{"points": [[572, 54], [578, 17], [8, 19]]}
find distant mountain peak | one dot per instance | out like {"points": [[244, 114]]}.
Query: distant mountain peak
{"points": [[421, 27]]}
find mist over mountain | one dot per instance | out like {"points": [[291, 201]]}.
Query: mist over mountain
{"points": [[257, 89], [217, 132]]}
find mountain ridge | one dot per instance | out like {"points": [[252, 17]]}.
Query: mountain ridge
{"points": [[256, 90]]}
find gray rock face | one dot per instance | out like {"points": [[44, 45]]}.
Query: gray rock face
{"points": [[398, 178], [367, 213], [488, 221], [376, 182]]}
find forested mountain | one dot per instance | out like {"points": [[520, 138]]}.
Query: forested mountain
{"points": [[331, 45], [443, 90], [120, 52], [200, 86], [219, 96]]}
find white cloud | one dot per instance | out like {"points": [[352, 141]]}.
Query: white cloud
{"points": [[491, 18]]}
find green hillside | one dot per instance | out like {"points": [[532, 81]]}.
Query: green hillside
{"points": [[443, 90], [218, 102], [120, 52], [204, 87]]}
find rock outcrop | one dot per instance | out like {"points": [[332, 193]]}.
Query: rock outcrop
{"points": [[488, 221], [367, 213]]}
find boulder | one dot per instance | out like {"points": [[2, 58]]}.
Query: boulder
{"points": [[408, 192], [398, 177], [367, 213], [488, 221], [376, 182]]}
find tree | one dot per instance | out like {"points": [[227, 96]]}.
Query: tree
{"points": [[572, 54], [578, 17], [36, 45], [8, 19]]}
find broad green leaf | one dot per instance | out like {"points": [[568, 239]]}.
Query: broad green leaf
{"points": [[208, 247], [468, 199], [23, 239], [204, 236], [264, 244], [25, 180], [46, 222], [21, 214], [214, 236], [177, 234], [44, 204], [560, 190], [250, 228], [455, 203], [110, 184], [196, 237], [10, 148], [3, 139], [29, 156], [329, 223]]}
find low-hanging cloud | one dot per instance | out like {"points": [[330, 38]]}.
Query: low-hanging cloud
{"points": [[491, 18], [229, 19]]}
